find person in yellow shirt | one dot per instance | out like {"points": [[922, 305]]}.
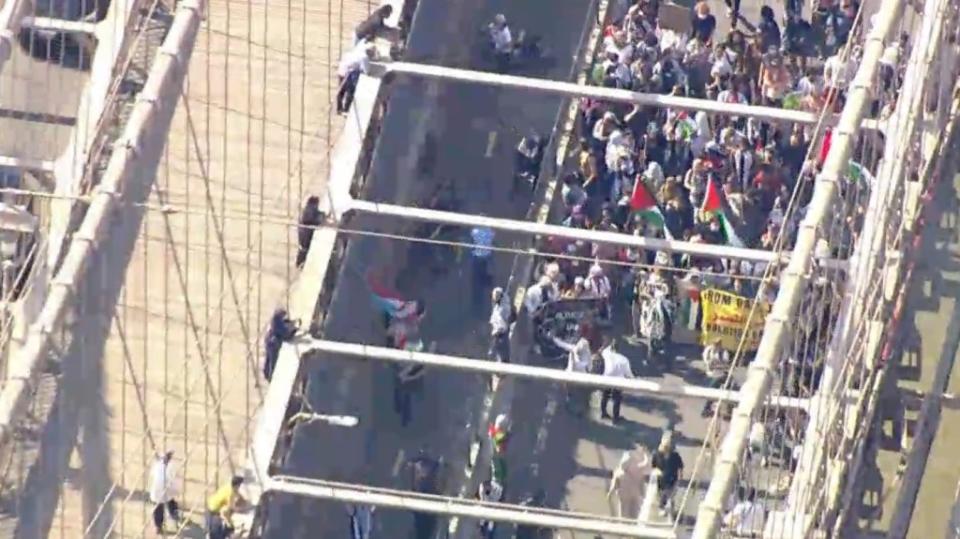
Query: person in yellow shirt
{"points": [[220, 508]]}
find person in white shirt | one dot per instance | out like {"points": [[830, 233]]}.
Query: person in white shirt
{"points": [[837, 74], [757, 442], [597, 285], [489, 491], [743, 165], [615, 365], [628, 481], [537, 296], [717, 362], [163, 479], [502, 316], [579, 356], [361, 521], [354, 62], [502, 41], [746, 518]]}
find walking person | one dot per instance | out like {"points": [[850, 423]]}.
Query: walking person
{"points": [[499, 433], [717, 362], [529, 531], [353, 63], [490, 491], [163, 489], [425, 479], [579, 356], [538, 296], [629, 480], [502, 317], [310, 218], [361, 521], [615, 365], [746, 518], [669, 466], [480, 255], [221, 507]]}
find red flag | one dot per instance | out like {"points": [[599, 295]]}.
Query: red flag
{"points": [[712, 201], [641, 199], [825, 146]]}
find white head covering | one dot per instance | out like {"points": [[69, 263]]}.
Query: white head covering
{"points": [[596, 271]]}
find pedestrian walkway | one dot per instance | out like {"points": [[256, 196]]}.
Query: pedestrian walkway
{"points": [[247, 144], [930, 336]]}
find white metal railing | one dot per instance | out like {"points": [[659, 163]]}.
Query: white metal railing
{"points": [[850, 352], [794, 279]]}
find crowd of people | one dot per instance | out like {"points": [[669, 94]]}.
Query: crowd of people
{"points": [[690, 175], [706, 178]]}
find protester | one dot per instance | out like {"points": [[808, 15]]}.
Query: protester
{"points": [[579, 357], [527, 531], [480, 256], [490, 491], [747, 516], [669, 465], [361, 521], [615, 365], [499, 433], [717, 363], [629, 481], [425, 478], [163, 489], [502, 317]]}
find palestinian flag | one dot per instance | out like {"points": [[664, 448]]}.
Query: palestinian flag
{"points": [[860, 175], [642, 202], [713, 204]]}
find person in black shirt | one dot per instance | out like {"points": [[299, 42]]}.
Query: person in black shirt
{"points": [[310, 218], [668, 462], [281, 330], [425, 479], [374, 25], [769, 30], [703, 24]]}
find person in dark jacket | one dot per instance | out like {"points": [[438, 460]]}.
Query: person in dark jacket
{"points": [[310, 218], [703, 23], [769, 30], [374, 25], [281, 330]]}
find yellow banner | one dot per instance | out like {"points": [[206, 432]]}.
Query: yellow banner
{"points": [[725, 317]]}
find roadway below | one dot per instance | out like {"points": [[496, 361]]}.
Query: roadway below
{"points": [[432, 133]]}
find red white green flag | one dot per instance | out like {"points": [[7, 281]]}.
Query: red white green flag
{"points": [[643, 203], [713, 205]]}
